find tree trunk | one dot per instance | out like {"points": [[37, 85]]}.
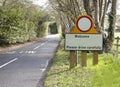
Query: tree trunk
{"points": [[87, 7], [96, 15], [112, 21]]}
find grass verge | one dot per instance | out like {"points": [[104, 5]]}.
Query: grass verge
{"points": [[105, 74]]}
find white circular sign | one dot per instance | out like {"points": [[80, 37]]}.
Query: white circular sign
{"points": [[84, 23]]}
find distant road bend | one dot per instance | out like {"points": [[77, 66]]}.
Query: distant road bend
{"points": [[26, 66]]}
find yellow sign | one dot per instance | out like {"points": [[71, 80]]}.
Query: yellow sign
{"points": [[84, 25]]}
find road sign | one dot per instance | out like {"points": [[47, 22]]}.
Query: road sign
{"points": [[84, 23], [83, 37], [83, 42]]}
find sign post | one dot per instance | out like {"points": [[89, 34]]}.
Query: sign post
{"points": [[95, 57], [84, 58], [83, 37], [73, 59]]}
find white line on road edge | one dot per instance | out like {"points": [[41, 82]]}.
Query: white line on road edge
{"points": [[43, 70], [45, 66], [8, 63]]}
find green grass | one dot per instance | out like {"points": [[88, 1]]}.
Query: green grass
{"points": [[105, 74]]}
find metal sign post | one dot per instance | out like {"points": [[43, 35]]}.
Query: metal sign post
{"points": [[84, 58]]}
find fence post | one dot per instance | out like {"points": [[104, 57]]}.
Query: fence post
{"points": [[117, 44]]}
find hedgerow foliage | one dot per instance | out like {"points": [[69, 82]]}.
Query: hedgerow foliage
{"points": [[19, 21]]}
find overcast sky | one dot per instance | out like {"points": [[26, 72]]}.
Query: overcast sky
{"points": [[43, 3], [118, 7], [40, 2]]}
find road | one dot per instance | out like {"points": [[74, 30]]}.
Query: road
{"points": [[26, 66]]}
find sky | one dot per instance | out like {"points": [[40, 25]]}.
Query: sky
{"points": [[40, 2], [118, 7], [43, 3]]}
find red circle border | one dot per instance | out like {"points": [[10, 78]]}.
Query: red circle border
{"points": [[84, 17]]}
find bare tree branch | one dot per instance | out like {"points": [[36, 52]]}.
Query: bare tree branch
{"points": [[96, 15], [4, 2], [87, 7]]}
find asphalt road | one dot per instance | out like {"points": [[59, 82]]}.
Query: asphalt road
{"points": [[26, 66]]}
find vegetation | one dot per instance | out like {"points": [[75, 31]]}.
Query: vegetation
{"points": [[20, 21], [99, 10], [105, 74]]}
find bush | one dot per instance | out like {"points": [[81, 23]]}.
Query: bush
{"points": [[41, 30], [19, 24]]}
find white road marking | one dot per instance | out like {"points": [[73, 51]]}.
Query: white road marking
{"points": [[43, 70], [45, 66], [40, 45], [30, 52], [21, 51], [8, 63], [11, 52], [36, 47]]}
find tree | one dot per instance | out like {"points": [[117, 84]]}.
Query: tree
{"points": [[112, 21], [19, 21], [69, 10]]}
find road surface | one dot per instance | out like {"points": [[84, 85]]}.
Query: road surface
{"points": [[25, 67]]}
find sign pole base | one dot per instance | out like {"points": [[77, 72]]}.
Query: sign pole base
{"points": [[84, 58]]}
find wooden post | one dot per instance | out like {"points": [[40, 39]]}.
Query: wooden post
{"points": [[73, 59], [117, 45], [84, 58], [95, 57], [117, 39]]}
